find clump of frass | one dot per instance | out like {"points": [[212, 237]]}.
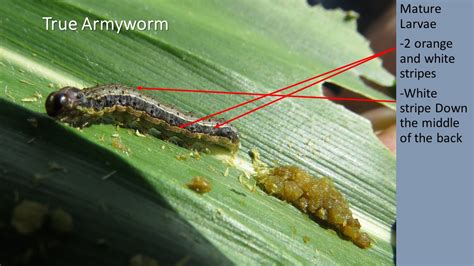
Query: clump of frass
{"points": [[316, 196], [200, 185]]}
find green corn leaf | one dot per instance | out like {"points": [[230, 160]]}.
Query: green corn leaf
{"points": [[129, 192]]}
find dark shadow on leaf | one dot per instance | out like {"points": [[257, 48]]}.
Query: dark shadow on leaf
{"points": [[334, 90], [114, 219], [390, 91], [369, 10]]}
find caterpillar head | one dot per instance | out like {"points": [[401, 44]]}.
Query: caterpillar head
{"points": [[63, 101]]}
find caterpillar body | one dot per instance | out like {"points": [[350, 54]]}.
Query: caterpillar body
{"points": [[127, 107]]}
